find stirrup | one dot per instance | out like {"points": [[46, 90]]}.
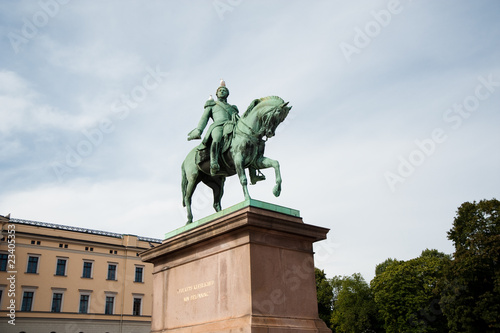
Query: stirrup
{"points": [[257, 178]]}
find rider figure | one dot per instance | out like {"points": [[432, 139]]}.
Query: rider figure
{"points": [[221, 112]]}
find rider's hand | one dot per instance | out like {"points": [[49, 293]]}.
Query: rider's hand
{"points": [[194, 134]]}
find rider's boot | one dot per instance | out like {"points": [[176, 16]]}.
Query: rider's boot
{"points": [[214, 158], [254, 178]]}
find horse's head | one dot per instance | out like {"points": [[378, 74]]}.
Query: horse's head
{"points": [[274, 117], [269, 113]]}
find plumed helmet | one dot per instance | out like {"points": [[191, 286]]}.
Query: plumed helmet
{"points": [[222, 85]]}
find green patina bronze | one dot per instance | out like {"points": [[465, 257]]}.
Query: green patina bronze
{"points": [[231, 145]]}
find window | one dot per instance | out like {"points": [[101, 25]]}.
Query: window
{"points": [[139, 273], [136, 309], [110, 305], [61, 267], [111, 271], [87, 269], [84, 303], [32, 264], [3, 262], [56, 302], [27, 304]]}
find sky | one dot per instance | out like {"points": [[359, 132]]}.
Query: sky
{"points": [[395, 118]]}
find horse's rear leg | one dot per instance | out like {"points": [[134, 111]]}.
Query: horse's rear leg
{"points": [[191, 185]]}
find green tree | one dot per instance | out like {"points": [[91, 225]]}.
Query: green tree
{"points": [[325, 295], [471, 296], [354, 310], [382, 266], [407, 293]]}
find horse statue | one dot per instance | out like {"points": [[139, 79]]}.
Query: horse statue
{"points": [[243, 147]]}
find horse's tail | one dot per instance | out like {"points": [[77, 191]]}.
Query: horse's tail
{"points": [[184, 184]]}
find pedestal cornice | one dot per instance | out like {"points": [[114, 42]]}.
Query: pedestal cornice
{"points": [[249, 214]]}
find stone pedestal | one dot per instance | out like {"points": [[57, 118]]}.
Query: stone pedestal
{"points": [[246, 269]]}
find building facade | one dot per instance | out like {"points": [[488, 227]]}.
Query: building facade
{"points": [[56, 278]]}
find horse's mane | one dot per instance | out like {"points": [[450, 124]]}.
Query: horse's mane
{"points": [[277, 100]]}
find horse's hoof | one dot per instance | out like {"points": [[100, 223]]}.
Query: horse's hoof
{"points": [[277, 191]]}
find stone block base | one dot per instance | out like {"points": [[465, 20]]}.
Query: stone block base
{"points": [[249, 270]]}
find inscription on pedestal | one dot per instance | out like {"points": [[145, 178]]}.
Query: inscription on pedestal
{"points": [[196, 291]]}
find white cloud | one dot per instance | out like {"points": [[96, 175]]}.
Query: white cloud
{"points": [[92, 59], [116, 206], [24, 109]]}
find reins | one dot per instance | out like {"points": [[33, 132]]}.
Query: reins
{"points": [[255, 135]]}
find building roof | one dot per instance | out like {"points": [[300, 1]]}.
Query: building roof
{"points": [[83, 230]]}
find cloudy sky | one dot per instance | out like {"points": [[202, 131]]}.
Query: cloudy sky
{"points": [[395, 118]]}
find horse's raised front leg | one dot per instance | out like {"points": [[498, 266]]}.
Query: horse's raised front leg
{"points": [[240, 170], [266, 162]]}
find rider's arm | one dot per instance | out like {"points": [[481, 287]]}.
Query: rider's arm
{"points": [[207, 113]]}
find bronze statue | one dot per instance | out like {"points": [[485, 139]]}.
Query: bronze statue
{"points": [[231, 145], [221, 113]]}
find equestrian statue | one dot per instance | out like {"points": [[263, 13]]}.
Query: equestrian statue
{"points": [[231, 145]]}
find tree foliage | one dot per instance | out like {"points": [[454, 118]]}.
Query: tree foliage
{"points": [[433, 293], [324, 293], [354, 309], [471, 297], [407, 293], [382, 266]]}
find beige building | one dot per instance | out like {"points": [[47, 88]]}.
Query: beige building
{"points": [[56, 278]]}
